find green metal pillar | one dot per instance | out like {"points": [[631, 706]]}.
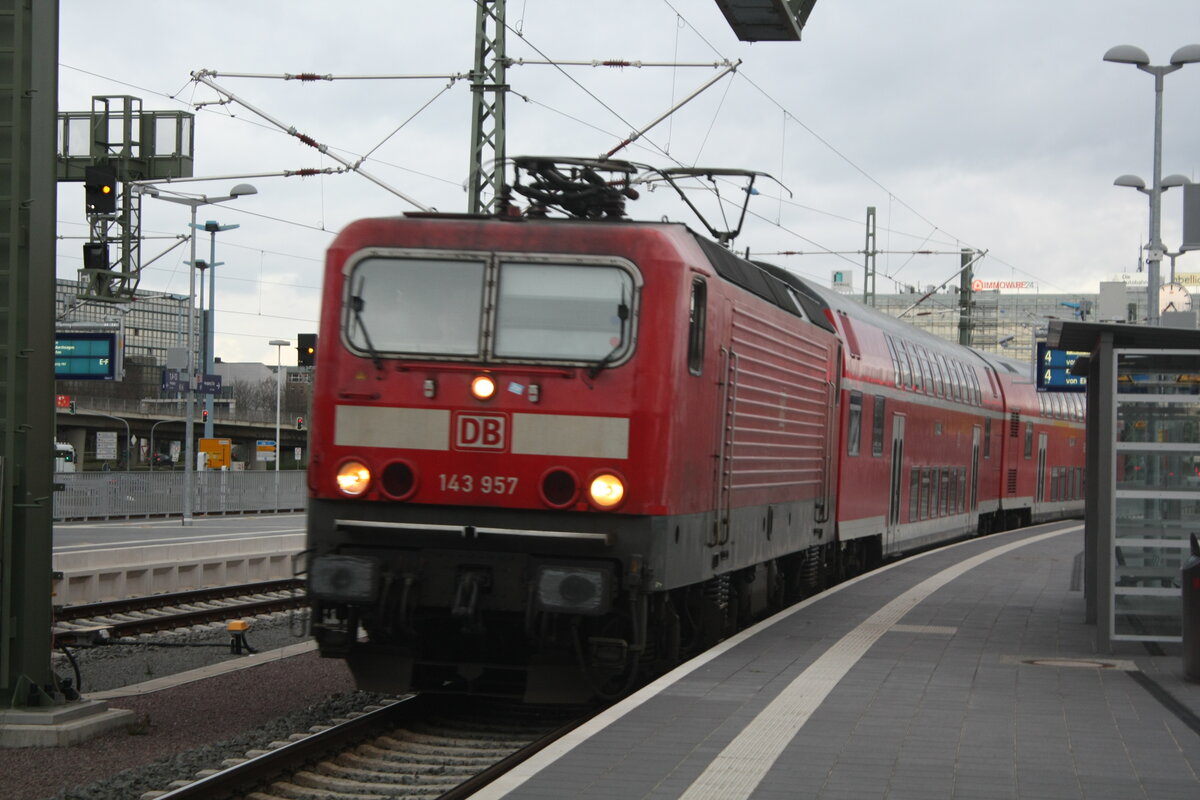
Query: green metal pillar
{"points": [[489, 88], [29, 93], [964, 298]]}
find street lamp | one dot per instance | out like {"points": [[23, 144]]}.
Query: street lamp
{"points": [[1128, 54], [193, 202], [213, 229], [1169, 182]]}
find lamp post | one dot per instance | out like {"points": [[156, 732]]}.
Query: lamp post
{"points": [[193, 202], [1153, 261], [1129, 54], [213, 229], [279, 344], [154, 452]]}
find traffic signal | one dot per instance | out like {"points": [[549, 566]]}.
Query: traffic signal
{"points": [[204, 415], [71, 408], [299, 423], [100, 190], [95, 255], [306, 349]]}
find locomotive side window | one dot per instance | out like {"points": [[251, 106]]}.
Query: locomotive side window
{"points": [[697, 317], [413, 305], [877, 426], [562, 312], [854, 426]]}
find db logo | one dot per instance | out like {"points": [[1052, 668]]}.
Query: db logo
{"points": [[977, 285], [479, 432]]}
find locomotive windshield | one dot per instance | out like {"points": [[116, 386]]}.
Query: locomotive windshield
{"points": [[539, 311]]}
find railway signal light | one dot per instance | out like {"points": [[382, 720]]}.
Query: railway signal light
{"points": [[95, 255], [299, 423], [100, 190], [306, 349], [71, 408], [204, 415]]}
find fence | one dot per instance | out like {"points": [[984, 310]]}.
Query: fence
{"points": [[108, 495]]}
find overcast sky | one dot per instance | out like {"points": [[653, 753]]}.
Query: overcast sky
{"points": [[990, 125]]}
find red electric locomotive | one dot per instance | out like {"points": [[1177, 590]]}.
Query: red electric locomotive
{"points": [[549, 455]]}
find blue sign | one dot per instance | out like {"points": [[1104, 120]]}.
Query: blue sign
{"points": [[85, 357], [1053, 370], [173, 381]]}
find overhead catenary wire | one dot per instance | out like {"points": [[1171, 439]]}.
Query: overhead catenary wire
{"points": [[202, 76]]}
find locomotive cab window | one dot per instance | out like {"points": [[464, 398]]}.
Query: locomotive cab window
{"points": [[561, 312], [415, 305], [697, 318], [490, 307]]}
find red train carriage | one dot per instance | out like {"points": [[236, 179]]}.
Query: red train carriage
{"points": [[652, 447], [938, 440]]}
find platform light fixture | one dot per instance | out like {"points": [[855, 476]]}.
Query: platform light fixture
{"points": [[1129, 54]]}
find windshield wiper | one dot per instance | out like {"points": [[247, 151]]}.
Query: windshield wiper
{"points": [[623, 315], [356, 307]]}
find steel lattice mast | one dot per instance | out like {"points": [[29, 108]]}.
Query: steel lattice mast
{"points": [[489, 87]]}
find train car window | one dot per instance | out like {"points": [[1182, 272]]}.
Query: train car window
{"points": [[975, 388], [914, 494], [920, 373], [891, 346], [992, 381], [877, 423], [561, 311], [962, 489], [943, 375], [1029, 440], [944, 493], [851, 336], [955, 379], [987, 438], [928, 492], [854, 425], [697, 319], [906, 370], [415, 305], [927, 369]]}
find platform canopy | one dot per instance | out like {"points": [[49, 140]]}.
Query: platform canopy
{"points": [[767, 20]]}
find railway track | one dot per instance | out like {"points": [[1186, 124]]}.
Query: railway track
{"points": [[163, 612], [418, 747]]}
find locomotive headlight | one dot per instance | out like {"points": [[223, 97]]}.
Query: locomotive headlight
{"points": [[483, 387], [574, 589], [606, 490], [353, 478]]}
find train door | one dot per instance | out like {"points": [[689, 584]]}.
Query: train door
{"points": [[896, 483], [1040, 491], [976, 437]]}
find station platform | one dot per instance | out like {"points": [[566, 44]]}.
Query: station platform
{"points": [[964, 672]]}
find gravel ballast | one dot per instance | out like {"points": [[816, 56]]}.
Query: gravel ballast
{"points": [[181, 730]]}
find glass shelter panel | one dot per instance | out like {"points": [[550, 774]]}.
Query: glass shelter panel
{"points": [[1156, 489]]}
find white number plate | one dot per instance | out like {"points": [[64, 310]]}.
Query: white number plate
{"points": [[486, 484]]}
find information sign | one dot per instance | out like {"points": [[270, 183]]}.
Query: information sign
{"points": [[85, 356], [264, 449], [1052, 370]]}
